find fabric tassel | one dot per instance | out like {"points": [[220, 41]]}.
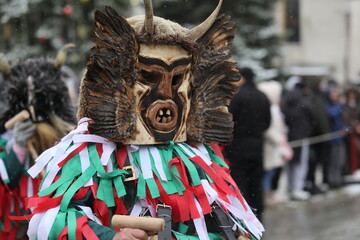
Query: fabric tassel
{"points": [[175, 174]]}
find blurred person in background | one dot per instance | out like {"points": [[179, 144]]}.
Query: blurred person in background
{"points": [[36, 112], [337, 155], [300, 119], [251, 114], [72, 82], [277, 151], [351, 116], [319, 153]]}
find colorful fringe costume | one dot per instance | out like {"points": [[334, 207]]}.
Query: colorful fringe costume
{"points": [[84, 186], [12, 194]]}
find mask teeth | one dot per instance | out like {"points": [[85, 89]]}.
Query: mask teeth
{"points": [[164, 115]]}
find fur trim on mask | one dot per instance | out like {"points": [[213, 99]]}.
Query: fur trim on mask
{"points": [[166, 32], [162, 27], [185, 43]]}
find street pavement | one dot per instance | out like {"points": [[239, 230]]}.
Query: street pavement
{"points": [[331, 216]]}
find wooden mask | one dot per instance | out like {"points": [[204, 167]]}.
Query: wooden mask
{"points": [[150, 81]]}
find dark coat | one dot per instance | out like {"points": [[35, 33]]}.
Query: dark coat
{"points": [[299, 115], [335, 111], [251, 114], [322, 124]]}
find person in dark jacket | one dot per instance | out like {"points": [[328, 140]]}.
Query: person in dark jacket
{"points": [[337, 156], [251, 114], [300, 119], [319, 152]]}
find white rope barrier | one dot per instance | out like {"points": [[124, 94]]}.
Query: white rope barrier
{"points": [[316, 139]]}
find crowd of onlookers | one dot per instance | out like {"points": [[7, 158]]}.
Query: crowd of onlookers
{"points": [[322, 119], [306, 129]]}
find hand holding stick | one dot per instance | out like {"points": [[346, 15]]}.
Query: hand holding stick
{"points": [[20, 117]]}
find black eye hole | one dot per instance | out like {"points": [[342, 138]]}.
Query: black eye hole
{"points": [[151, 77], [176, 80]]}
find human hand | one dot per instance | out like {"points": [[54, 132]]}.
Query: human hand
{"points": [[131, 234], [23, 131]]}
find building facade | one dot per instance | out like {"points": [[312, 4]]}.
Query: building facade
{"points": [[321, 38]]}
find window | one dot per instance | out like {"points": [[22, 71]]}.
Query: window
{"points": [[292, 21]]}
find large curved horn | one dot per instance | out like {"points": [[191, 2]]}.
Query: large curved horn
{"points": [[149, 16], [201, 29], [61, 56], [4, 64]]}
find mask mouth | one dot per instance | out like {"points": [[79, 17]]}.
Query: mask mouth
{"points": [[163, 115]]}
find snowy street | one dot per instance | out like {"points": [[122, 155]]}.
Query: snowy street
{"points": [[334, 215]]}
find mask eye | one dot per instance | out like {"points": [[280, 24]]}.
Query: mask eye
{"points": [[151, 77], [176, 80]]}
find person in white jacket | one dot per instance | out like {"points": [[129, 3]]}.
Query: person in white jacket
{"points": [[276, 148]]}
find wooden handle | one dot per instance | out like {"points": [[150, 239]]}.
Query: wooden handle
{"points": [[145, 223], [32, 149], [242, 237], [21, 116]]}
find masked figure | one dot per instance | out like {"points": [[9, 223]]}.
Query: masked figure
{"points": [[35, 113], [152, 101]]}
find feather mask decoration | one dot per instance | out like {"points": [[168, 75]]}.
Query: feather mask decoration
{"points": [[150, 80]]}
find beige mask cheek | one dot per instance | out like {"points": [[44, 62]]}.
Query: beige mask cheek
{"points": [[141, 134], [184, 88], [183, 94], [140, 90]]}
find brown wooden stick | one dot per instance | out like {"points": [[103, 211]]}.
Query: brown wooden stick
{"points": [[32, 149], [21, 116], [32, 112], [145, 223], [242, 237]]}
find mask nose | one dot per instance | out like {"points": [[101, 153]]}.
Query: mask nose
{"points": [[165, 86]]}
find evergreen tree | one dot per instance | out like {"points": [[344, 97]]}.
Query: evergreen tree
{"points": [[41, 27], [256, 44]]}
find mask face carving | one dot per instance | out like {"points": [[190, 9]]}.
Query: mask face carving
{"points": [[154, 81], [162, 95]]}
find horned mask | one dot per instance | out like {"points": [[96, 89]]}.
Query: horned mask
{"points": [[150, 80]]}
